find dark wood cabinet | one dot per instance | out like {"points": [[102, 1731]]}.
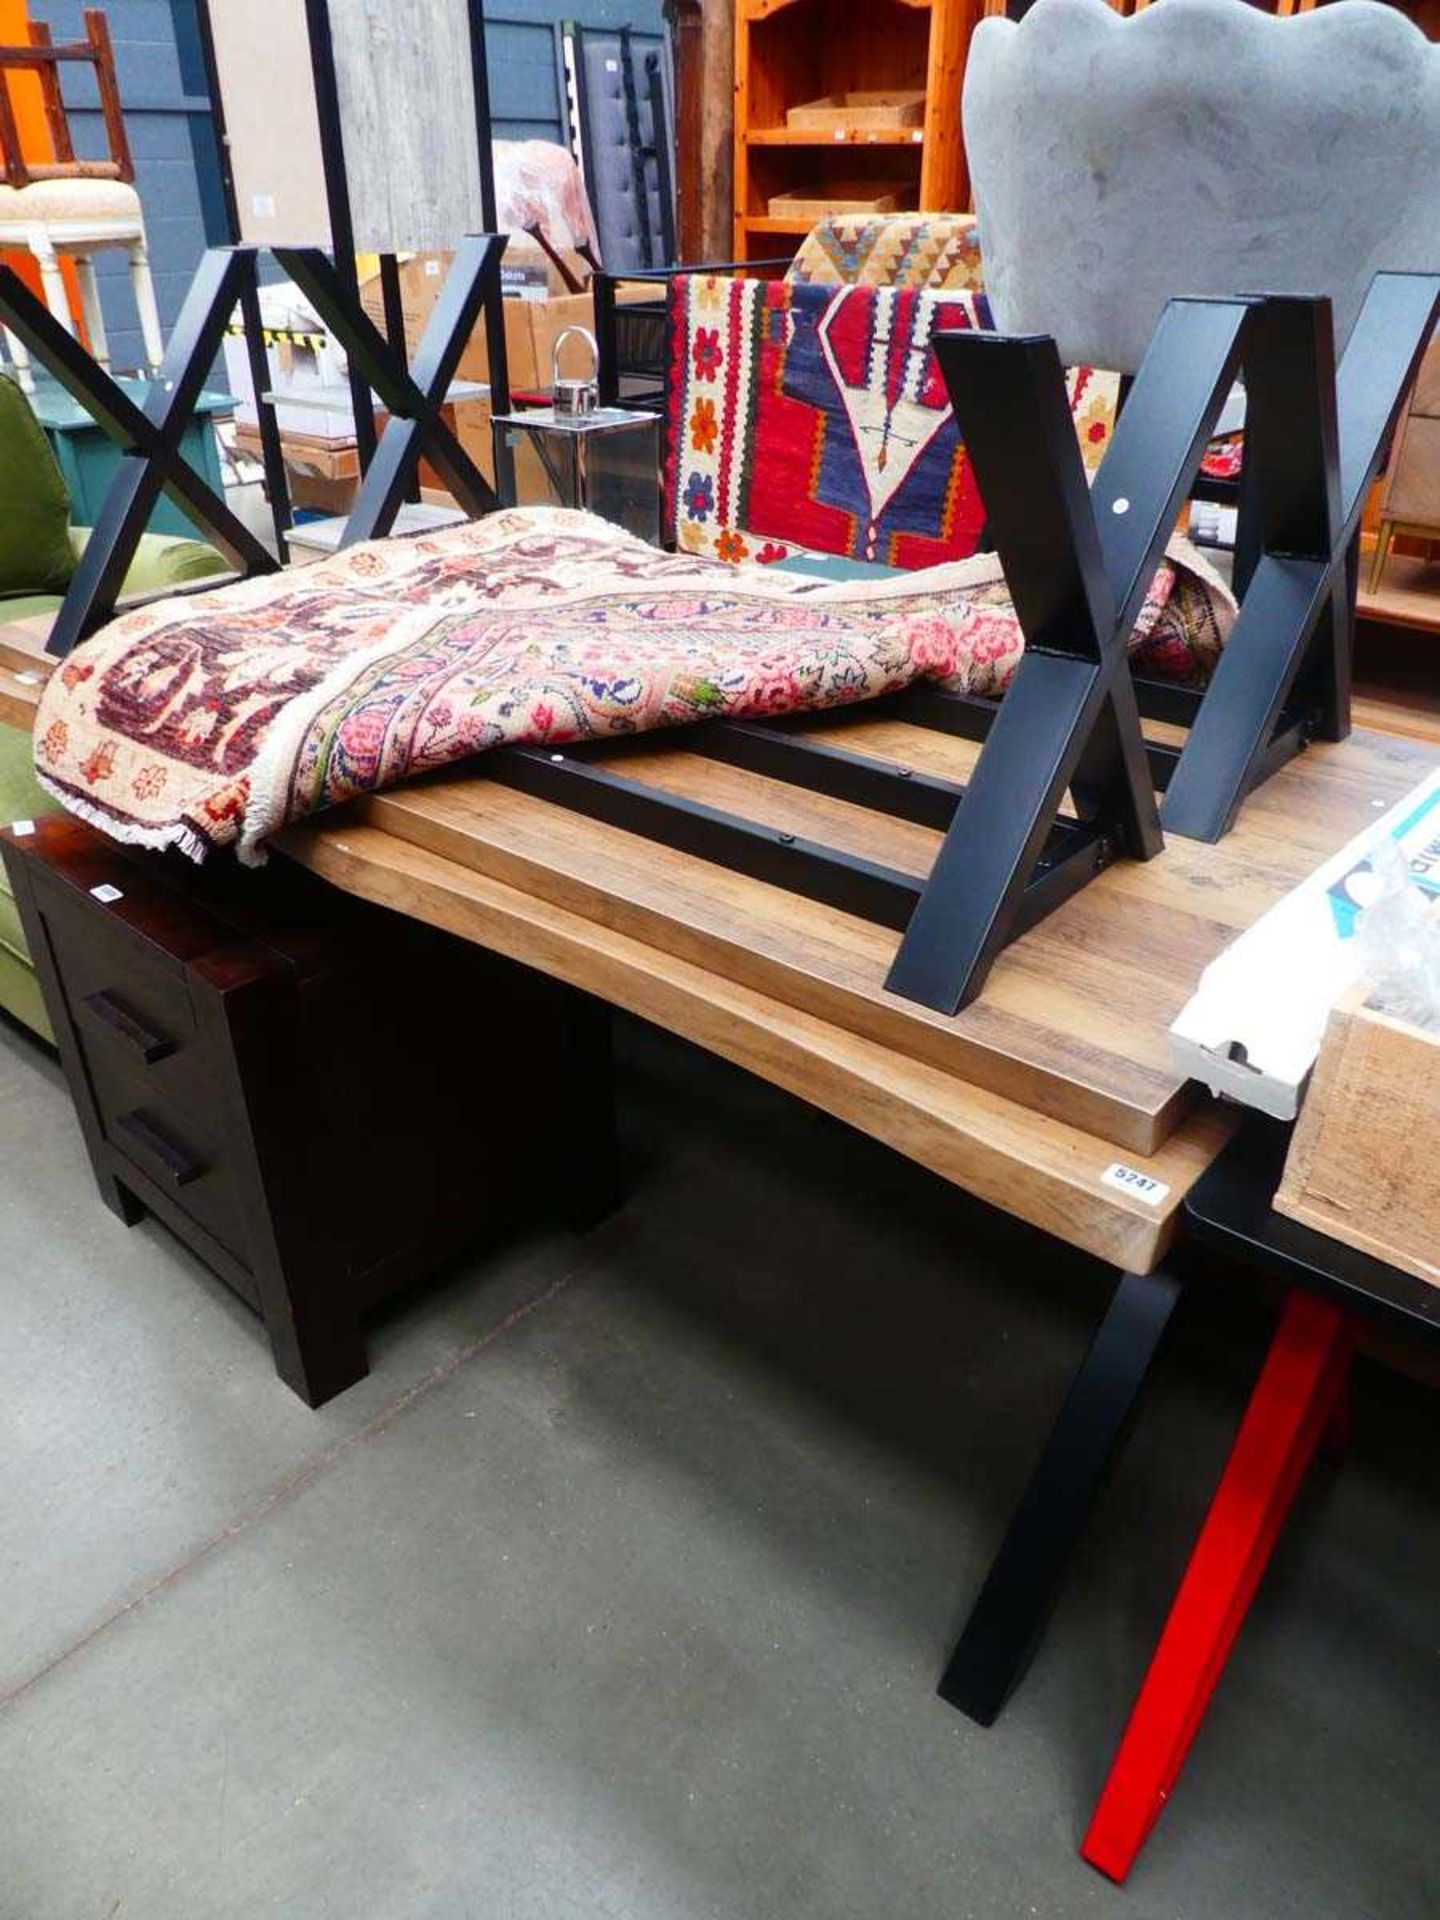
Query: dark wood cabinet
{"points": [[322, 1099]]}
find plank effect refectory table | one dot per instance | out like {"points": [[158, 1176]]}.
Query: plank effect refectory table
{"points": [[1045, 1098]]}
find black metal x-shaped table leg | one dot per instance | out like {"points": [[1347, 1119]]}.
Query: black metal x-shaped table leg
{"points": [[1078, 566], [414, 399], [1315, 445], [150, 436]]}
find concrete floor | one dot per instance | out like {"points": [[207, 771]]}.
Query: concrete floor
{"points": [[621, 1587]]}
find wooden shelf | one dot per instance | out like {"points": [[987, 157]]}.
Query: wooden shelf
{"points": [[1408, 594], [768, 223], [791, 53], [846, 137]]}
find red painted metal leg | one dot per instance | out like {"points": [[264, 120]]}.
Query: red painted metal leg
{"points": [[1302, 1382]]}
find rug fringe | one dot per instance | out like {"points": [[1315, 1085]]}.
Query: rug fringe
{"points": [[130, 833]]}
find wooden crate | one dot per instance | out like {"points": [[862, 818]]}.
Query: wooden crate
{"points": [[1362, 1165], [889, 110], [845, 196]]}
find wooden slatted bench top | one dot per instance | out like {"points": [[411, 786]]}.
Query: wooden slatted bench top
{"points": [[1073, 1021], [1033, 1167]]}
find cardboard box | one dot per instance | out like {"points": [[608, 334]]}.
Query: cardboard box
{"points": [[1361, 1166], [532, 324], [1253, 1028]]}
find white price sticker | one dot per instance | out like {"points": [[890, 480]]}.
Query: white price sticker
{"points": [[106, 894], [22, 829], [1138, 1185]]}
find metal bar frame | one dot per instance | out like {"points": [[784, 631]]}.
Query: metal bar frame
{"points": [[337, 201], [1009, 1616], [151, 434], [1315, 439], [497, 351], [1314, 442], [1079, 563]]}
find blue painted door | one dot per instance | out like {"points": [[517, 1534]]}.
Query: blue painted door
{"points": [[520, 40]]}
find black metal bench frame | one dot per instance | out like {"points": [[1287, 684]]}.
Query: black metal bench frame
{"points": [[1078, 560]]}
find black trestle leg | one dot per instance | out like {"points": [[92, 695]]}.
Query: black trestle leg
{"points": [[1009, 1617]]}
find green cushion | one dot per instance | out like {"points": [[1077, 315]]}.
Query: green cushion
{"points": [[12, 934], [28, 606], [20, 994], [21, 798], [35, 551]]}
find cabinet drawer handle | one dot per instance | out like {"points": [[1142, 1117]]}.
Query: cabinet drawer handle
{"points": [[177, 1163], [111, 1011]]}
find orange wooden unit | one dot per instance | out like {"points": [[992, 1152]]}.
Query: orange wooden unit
{"points": [[798, 53], [26, 96]]}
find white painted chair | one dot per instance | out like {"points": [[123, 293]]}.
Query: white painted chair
{"points": [[73, 207]]}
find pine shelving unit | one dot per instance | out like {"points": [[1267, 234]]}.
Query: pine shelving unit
{"points": [[789, 52]]}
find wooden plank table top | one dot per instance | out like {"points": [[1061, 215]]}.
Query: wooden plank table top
{"points": [[1073, 1022], [1027, 1099], [1038, 1169]]}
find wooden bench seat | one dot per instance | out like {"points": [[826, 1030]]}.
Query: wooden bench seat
{"points": [[1073, 1022]]}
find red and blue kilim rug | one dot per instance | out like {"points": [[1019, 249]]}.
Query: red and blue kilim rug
{"points": [[809, 418]]}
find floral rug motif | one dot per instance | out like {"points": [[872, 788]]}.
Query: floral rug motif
{"points": [[213, 720]]}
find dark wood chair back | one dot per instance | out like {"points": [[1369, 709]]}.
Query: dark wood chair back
{"points": [[44, 59]]}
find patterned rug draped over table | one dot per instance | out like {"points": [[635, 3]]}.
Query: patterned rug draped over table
{"points": [[212, 720]]}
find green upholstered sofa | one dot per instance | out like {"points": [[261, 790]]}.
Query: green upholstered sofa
{"points": [[38, 552]]}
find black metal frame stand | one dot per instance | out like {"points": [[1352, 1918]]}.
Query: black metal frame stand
{"points": [[272, 457], [1078, 575], [1314, 442]]}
